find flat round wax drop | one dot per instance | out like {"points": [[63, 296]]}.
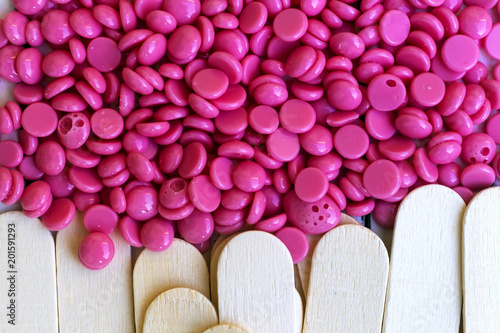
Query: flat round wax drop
{"points": [[39, 119], [394, 27], [96, 251], [290, 24], [297, 116], [386, 92], [460, 53], [311, 184], [382, 179], [210, 83], [103, 54], [427, 89], [351, 141]]}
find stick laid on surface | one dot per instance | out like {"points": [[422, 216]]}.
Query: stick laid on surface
{"points": [[28, 275], [425, 284], [225, 329], [481, 263], [348, 282], [93, 301]]}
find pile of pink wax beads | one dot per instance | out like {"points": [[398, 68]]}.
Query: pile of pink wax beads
{"points": [[189, 117]]}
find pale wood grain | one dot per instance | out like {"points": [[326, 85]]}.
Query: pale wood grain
{"points": [[304, 266], [93, 301], [348, 282], [299, 312], [225, 329], [214, 260], [181, 265], [33, 274], [425, 285], [255, 283], [180, 310], [481, 263]]}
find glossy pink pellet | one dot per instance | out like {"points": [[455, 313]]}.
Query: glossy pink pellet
{"points": [[96, 251]]}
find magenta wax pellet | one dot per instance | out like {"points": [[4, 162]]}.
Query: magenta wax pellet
{"points": [[29, 170], [386, 92], [50, 158], [296, 242], [460, 122], [397, 148], [449, 174], [84, 24], [311, 184], [6, 123], [103, 54], [29, 7], [60, 185], [130, 230], [157, 234], [142, 203], [351, 141], [427, 89], [425, 168], [60, 214], [100, 218], [106, 123], [174, 193], [227, 217], [197, 227], [86, 180], [283, 145], [384, 213], [311, 218], [39, 120], [474, 98], [475, 22], [5, 182], [11, 153], [203, 194], [297, 116], [477, 176], [478, 148], [29, 65], [271, 224], [96, 251], [36, 196], [382, 179], [248, 176], [460, 61], [394, 27], [140, 166], [27, 94], [16, 190], [56, 27], [84, 200], [177, 213]]}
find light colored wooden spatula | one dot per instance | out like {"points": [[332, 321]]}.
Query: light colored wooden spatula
{"points": [[425, 284], [255, 283], [28, 291], [182, 265], [481, 263], [347, 283], [304, 266], [225, 329], [180, 310], [93, 301]]}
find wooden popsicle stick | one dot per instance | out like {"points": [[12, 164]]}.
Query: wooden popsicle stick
{"points": [[214, 260], [348, 282], [481, 263], [93, 301], [181, 265], [180, 310], [255, 283], [299, 311], [425, 285], [225, 329], [28, 275], [305, 265]]}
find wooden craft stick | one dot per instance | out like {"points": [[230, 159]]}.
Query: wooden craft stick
{"points": [[181, 265], [225, 329], [348, 282], [28, 294], [214, 260], [180, 310], [255, 283], [93, 301], [305, 265], [425, 285], [299, 311], [481, 263]]}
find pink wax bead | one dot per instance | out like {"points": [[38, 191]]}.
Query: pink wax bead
{"points": [[379, 124], [347, 44], [59, 215], [297, 116], [130, 230], [477, 74], [174, 193], [253, 17], [157, 234], [227, 217], [362, 208], [11, 153], [386, 92], [95, 79], [83, 23], [448, 19], [56, 27], [311, 218], [84, 200], [493, 126], [27, 94], [413, 123], [106, 123], [414, 58], [465, 193], [29, 170], [384, 213], [248, 176], [460, 61], [107, 16], [344, 95], [460, 122], [271, 224], [386, 186], [8, 55], [453, 98], [425, 168], [193, 160], [152, 49], [449, 174], [424, 41], [492, 90], [100, 218], [58, 86], [475, 22], [311, 184], [474, 98], [90, 96], [161, 21], [257, 208], [36, 197], [140, 166], [263, 119], [394, 27], [86, 180], [236, 198], [29, 7], [29, 65], [142, 203], [197, 227], [445, 147], [16, 187], [203, 194], [117, 200], [228, 230], [478, 148], [68, 102], [50, 158], [184, 12], [183, 44], [290, 24], [318, 141], [477, 176], [397, 148], [177, 213], [283, 145], [96, 251], [351, 141], [350, 190], [103, 54], [427, 89]]}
